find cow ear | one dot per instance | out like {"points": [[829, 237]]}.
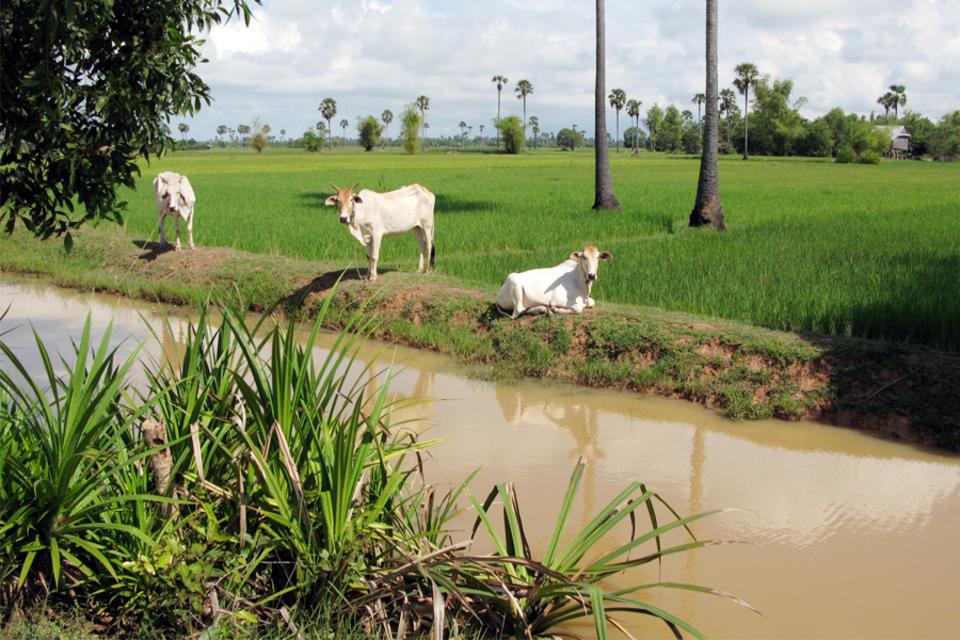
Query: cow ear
{"points": [[606, 256], [576, 255], [358, 199], [331, 201]]}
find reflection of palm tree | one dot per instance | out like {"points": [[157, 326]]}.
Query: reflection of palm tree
{"points": [[698, 457]]}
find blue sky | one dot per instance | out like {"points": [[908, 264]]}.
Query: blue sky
{"points": [[372, 55]]}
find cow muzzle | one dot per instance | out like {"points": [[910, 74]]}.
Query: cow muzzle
{"points": [[344, 219], [591, 277]]}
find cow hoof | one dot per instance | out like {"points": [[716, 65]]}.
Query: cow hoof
{"points": [[177, 247]]}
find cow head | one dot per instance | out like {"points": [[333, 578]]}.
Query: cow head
{"points": [[588, 261], [168, 190], [344, 200]]}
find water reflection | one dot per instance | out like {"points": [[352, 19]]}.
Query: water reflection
{"points": [[853, 536]]}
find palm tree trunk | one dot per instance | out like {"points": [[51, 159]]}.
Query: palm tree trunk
{"points": [[498, 118], [524, 119], [603, 183], [707, 209], [618, 130], [746, 123]]}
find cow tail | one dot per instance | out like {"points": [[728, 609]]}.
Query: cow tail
{"points": [[433, 254]]}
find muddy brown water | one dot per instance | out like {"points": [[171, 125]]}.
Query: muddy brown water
{"points": [[849, 535]]}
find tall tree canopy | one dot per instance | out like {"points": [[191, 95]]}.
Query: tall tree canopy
{"points": [[87, 87]]}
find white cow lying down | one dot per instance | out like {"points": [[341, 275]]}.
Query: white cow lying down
{"points": [[370, 216], [175, 198], [564, 288]]}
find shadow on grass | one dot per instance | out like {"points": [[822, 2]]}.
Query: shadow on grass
{"points": [[453, 204], [315, 198], [445, 203], [293, 304], [152, 249]]}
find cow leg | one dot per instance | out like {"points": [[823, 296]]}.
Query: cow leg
{"points": [[424, 247], [538, 310], [190, 230], [163, 237], [428, 246], [176, 247], [374, 256], [518, 307]]}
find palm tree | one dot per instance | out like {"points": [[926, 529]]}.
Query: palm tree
{"points": [[603, 196], [423, 104], [698, 100], [707, 209], [747, 75], [886, 101], [499, 81], [535, 125], [728, 102], [633, 110], [899, 93], [463, 131], [344, 124], [387, 117], [222, 131], [618, 99], [328, 109], [481, 135], [523, 89], [183, 128]]}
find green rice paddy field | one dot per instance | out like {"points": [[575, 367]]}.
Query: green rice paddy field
{"points": [[871, 251]]}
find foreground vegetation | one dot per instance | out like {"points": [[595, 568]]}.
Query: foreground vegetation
{"points": [[253, 489]]}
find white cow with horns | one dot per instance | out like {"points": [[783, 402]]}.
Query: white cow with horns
{"points": [[564, 288], [174, 197], [370, 216]]}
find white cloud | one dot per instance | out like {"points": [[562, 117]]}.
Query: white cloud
{"points": [[377, 54]]}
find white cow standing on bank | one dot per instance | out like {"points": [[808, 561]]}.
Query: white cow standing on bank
{"points": [[370, 216], [564, 288], [174, 197]]}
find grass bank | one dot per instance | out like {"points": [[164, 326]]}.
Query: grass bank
{"points": [[907, 391]]}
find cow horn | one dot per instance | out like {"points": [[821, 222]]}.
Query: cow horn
{"points": [[335, 187], [354, 187]]}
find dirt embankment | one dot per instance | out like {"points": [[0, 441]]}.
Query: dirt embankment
{"points": [[909, 393]]}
